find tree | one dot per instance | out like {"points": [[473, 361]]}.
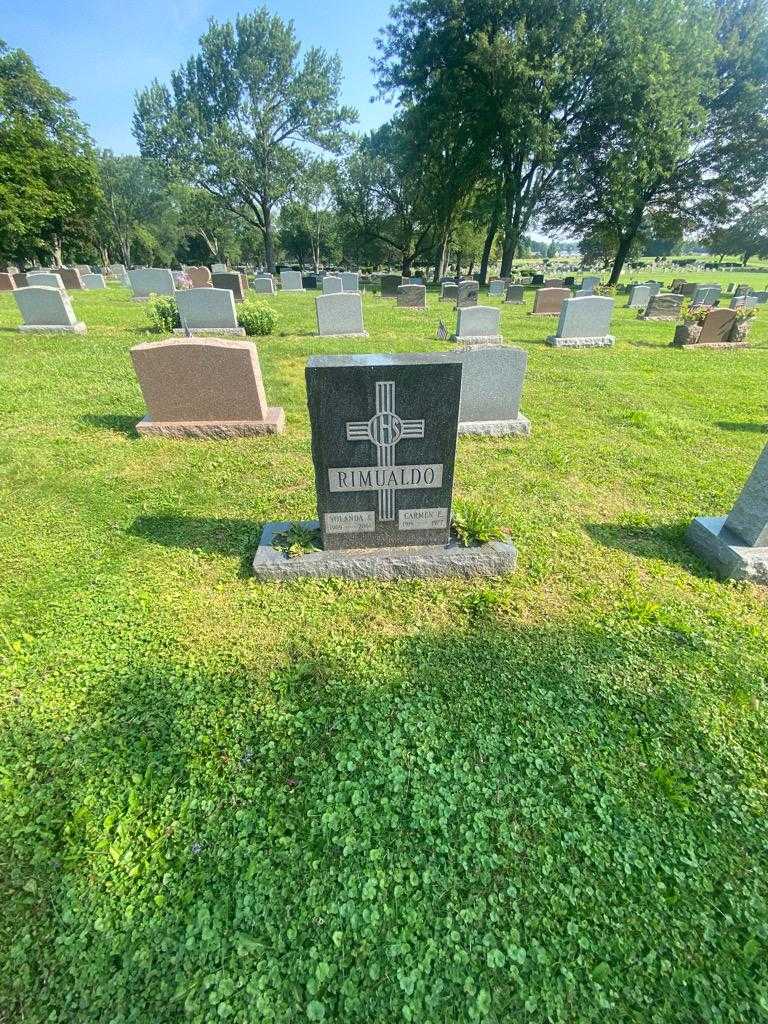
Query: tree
{"points": [[675, 124], [386, 193], [308, 225], [136, 202], [48, 175], [238, 116], [746, 237], [517, 70]]}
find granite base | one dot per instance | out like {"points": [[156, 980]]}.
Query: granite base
{"points": [[725, 553], [712, 344], [604, 341], [273, 424], [487, 560], [477, 340], [361, 334], [211, 332], [78, 328], [497, 428]]}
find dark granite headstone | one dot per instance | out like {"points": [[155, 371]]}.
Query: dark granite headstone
{"points": [[515, 293], [389, 285], [467, 294], [309, 281], [537, 279], [383, 444]]}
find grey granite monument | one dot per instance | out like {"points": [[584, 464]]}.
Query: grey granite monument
{"points": [[584, 322], [478, 325], [736, 546], [332, 285], [491, 387], [93, 282], [389, 285], [264, 285], [340, 315], [515, 294], [412, 296], [664, 306], [496, 288], [44, 279], [290, 281], [384, 433], [47, 310], [151, 281], [350, 281], [639, 296], [208, 311], [467, 294]]}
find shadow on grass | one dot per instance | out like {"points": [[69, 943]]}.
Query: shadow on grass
{"points": [[114, 422], [663, 542], [747, 428], [235, 538], [559, 768]]}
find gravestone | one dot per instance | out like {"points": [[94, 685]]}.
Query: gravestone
{"points": [[208, 311], [526, 281], [496, 288], [491, 385], [478, 325], [340, 315], [118, 271], [389, 285], [448, 291], [589, 283], [569, 282], [689, 290], [412, 296], [549, 301], [93, 282], [231, 280], [208, 387], [584, 322], [467, 294], [537, 280], [7, 283], [554, 282], [715, 332], [332, 285], [383, 445], [71, 279], [263, 286], [20, 279], [736, 546], [761, 297], [515, 293], [678, 284], [742, 289], [290, 281], [706, 295], [309, 281], [654, 286], [219, 268], [639, 296], [664, 306], [83, 268], [48, 310], [44, 279], [151, 281], [350, 281], [200, 277]]}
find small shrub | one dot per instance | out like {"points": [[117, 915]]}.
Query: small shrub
{"points": [[297, 540], [257, 318], [605, 289], [745, 312], [476, 524], [163, 313]]}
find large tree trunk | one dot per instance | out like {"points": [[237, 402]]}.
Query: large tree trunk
{"points": [[442, 255], [625, 244], [269, 245], [512, 211], [57, 262], [406, 265], [493, 227]]}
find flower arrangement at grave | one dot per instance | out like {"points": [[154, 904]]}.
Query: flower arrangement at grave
{"points": [[744, 317], [693, 318]]}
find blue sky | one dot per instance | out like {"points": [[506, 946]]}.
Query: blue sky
{"points": [[102, 51]]}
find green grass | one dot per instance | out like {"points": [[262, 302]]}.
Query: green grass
{"points": [[538, 799]]}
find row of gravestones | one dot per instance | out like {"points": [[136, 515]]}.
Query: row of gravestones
{"points": [[701, 295], [71, 279], [384, 432]]}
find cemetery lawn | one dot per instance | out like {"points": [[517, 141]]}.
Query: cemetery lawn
{"points": [[538, 799]]}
